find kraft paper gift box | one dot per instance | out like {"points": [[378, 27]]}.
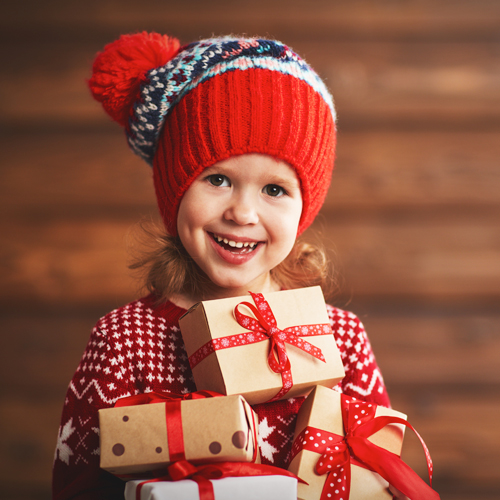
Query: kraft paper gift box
{"points": [[139, 439], [229, 358], [322, 411], [229, 488]]}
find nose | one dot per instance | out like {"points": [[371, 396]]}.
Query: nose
{"points": [[242, 209]]}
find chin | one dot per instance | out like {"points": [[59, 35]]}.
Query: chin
{"points": [[234, 283]]}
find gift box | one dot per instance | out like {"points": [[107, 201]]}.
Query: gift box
{"points": [[229, 488], [334, 452], [148, 437], [265, 346]]}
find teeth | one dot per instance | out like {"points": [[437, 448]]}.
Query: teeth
{"points": [[235, 244]]}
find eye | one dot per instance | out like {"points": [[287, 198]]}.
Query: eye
{"points": [[274, 190], [218, 180]]}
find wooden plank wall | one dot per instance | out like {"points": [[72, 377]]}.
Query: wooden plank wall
{"points": [[412, 215]]}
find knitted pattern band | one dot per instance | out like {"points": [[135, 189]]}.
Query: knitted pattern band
{"points": [[214, 99]]}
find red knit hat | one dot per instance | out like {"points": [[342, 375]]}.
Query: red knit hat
{"points": [[215, 99]]}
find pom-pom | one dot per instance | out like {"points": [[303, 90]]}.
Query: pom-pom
{"points": [[121, 68]]}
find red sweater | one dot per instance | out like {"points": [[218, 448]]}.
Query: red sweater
{"points": [[138, 348]]}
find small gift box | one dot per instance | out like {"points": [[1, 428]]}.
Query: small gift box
{"points": [[228, 488], [265, 347], [148, 437], [347, 448]]}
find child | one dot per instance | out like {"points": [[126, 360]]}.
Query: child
{"points": [[241, 135]]}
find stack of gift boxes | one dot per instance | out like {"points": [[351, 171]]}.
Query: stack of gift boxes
{"points": [[204, 445]]}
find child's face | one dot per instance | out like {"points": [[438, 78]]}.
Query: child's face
{"points": [[239, 219]]}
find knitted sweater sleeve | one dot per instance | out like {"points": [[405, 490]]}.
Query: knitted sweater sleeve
{"points": [[133, 349], [363, 378], [100, 379]]}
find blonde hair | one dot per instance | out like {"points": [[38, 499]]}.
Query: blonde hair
{"points": [[168, 270]]}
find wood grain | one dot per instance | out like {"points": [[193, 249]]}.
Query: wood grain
{"points": [[411, 218], [388, 19]]}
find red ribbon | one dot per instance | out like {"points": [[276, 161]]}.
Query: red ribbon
{"points": [[173, 415], [264, 327], [203, 474], [163, 397], [338, 453]]}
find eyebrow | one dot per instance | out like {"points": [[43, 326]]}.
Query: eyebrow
{"points": [[287, 183]]}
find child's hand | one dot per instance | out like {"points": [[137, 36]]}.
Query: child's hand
{"points": [[397, 494]]}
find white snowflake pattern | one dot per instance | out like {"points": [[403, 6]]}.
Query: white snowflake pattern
{"points": [[63, 451], [266, 449]]}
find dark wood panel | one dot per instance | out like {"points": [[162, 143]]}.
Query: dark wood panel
{"points": [[28, 447], [96, 172], [43, 350], [418, 170], [359, 18], [410, 84], [451, 349], [396, 256], [68, 172], [465, 453], [67, 262]]}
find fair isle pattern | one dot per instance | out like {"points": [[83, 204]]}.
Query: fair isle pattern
{"points": [[196, 63], [357, 355], [138, 349]]}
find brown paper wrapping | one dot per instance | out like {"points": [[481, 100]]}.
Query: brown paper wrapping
{"points": [[244, 369], [134, 438], [322, 410]]}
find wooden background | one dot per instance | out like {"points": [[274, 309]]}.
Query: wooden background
{"points": [[412, 216]]}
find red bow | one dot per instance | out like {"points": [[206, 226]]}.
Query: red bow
{"points": [[265, 324], [339, 452], [202, 474]]}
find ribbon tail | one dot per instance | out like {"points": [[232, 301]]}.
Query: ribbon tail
{"points": [[341, 480], [392, 469], [306, 346], [205, 488], [277, 358]]}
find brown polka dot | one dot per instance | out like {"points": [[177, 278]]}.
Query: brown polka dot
{"points": [[118, 449], [158, 450], [239, 439], [125, 418], [215, 447]]}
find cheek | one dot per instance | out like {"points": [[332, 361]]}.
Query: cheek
{"points": [[287, 222], [191, 217]]}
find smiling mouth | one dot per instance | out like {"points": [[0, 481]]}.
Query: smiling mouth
{"points": [[237, 247]]}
